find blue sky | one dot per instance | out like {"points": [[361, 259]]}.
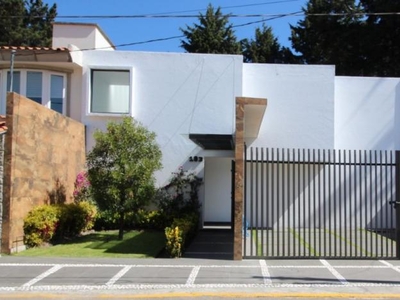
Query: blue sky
{"points": [[129, 30]]}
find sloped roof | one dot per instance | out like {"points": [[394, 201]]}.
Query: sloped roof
{"points": [[35, 54]]}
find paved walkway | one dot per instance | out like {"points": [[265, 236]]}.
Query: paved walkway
{"points": [[20, 276]]}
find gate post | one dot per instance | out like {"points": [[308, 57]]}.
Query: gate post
{"points": [[396, 204]]}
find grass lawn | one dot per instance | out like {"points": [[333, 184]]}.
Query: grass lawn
{"points": [[136, 244]]}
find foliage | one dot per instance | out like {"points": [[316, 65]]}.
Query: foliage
{"points": [[75, 218], [40, 225], [180, 233], [58, 195], [173, 244], [357, 43], [265, 48], [26, 22], [153, 219], [213, 34], [81, 187], [47, 223], [121, 167], [180, 196]]}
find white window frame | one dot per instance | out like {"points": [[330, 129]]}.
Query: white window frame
{"points": [[89, 89], [46, 85]]}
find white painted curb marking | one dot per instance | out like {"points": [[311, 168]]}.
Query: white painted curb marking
{"points": [[334, 272], [192, 276], [119, 275], [265, 272], [41, 276]]}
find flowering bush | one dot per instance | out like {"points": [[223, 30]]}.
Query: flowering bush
{"points": [[82, 187]]}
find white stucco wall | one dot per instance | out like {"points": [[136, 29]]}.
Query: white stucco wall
{"points": [[173, 95], [83, 36], [367, 113], [300, 110]]}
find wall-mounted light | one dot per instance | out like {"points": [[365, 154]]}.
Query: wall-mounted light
{"points": [[196, 158]]}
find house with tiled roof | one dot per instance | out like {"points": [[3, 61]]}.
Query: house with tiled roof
{"points": [[203, 107]]}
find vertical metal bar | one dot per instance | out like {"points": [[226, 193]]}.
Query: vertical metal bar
{"points": [[371, 201], [278, 201], [350, 216], [376, 203], [340, 205], [345, 202], [367, 209], [334, 204], [283, 203], [386, 204], [257, 196], [320, 205], [263, 184], [355, 203], [294, 199], [309, 196], [381, 203], [267, 203], [314, 219], [361, 200], [324, 199], [304, 202], [299, 193], [392, 196], [287, 233], [330, 200], [397, 200], [251, 224], [273, 199]]}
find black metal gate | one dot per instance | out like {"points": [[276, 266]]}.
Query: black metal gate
{"points": [[321, 204]]}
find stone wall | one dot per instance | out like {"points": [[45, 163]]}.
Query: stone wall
{"points": [[41, 146]]}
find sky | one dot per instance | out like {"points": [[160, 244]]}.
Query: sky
{"points": [[135, 30]]}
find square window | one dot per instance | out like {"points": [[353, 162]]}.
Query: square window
{"points": [[110, 91]]}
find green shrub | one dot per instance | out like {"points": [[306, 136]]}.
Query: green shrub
{"points": [[153, 219], [40, 225], [106, 220], [174, 243], [54, 222], [75, 218], [180, 234]]}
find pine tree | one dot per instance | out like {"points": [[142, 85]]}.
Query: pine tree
{"points": [[264, 48], [213, 34], [26, 23]]}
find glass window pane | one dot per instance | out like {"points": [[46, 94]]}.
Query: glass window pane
{"points": [[57, 93], [34, 86], [110, 91], [16, 82]]}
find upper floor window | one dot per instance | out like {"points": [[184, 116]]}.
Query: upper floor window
{"points": [[110, 91], [44, 87]]}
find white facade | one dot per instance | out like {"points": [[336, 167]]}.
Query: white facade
{"points": [[177, 94]]}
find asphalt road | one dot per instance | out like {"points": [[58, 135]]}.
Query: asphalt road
{"points": [[90, 278]]}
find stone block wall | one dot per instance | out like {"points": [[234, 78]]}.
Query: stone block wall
{"points": [[41, 146]]}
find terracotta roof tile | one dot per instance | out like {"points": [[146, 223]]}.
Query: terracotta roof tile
{"points": [[3, 127], [33, 48]]}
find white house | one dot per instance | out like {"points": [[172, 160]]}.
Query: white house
{"points": [[189, 100]]}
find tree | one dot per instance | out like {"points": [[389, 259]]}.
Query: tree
{"points": [[121, 166], [265, 48], [356, 41], [382, 37], [331, 39], [213, 34], [26, 23]]}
